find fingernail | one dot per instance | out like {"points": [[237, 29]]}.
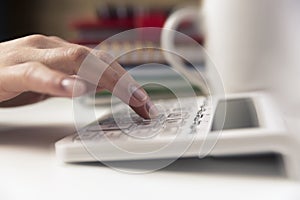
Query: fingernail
{"points": [[152, 110], [138, 93], [73, 86]]}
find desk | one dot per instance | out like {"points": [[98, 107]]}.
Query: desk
{"points": [[29, 169]]}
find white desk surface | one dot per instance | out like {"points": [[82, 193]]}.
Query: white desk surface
{"points": [[29, 169]]}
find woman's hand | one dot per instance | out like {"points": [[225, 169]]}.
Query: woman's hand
{"points": [[35, 67]]}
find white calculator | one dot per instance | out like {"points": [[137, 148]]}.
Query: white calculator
{"points": [[194, 127]]}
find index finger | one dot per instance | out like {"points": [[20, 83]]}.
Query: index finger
{"points": [[101, 67]]}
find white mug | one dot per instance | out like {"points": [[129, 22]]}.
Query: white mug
{"points": [[238, 35]]}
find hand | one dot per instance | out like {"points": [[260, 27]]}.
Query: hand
{"points": [[36, 67]]}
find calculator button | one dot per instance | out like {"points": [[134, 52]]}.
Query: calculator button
{"points": [[152, 126], [106, 121], [145, 130], [107, 127], [174, 122], [96, 136], [85, 136], [160, 118], [177, 115], [141, 133], [119, 121], [129, 120], [181, 109], [113, 134]]}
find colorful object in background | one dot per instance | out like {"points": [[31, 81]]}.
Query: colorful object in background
{"points": [[112, 20]]}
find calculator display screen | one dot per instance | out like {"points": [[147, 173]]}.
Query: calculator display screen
{"points": [[240, 113]]}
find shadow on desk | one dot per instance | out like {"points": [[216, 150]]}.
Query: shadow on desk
{"points": [[251, 166], [39, 137], [43, 139]]}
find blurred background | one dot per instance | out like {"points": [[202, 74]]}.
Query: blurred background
{"points": [[90, 22], [55, 17]]}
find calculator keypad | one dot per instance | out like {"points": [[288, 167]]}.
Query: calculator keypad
{"points": [[134, 127]]}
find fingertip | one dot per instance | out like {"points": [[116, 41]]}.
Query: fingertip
{"points": [[151, 109], [147, 111], [73, 86]]}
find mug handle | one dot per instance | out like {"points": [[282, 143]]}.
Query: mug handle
{"points": [[167, 43]]}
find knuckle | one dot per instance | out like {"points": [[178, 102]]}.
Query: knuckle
{"points": [[76, 54], [29, 70], [55, 38], [35, 39]]}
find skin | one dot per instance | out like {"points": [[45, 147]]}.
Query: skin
{"points": [[36, 67]]}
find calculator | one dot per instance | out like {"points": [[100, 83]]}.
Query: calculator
{"points": [[238, 124]]}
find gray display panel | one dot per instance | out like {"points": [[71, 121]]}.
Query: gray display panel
{"points": [[240, 113]]}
